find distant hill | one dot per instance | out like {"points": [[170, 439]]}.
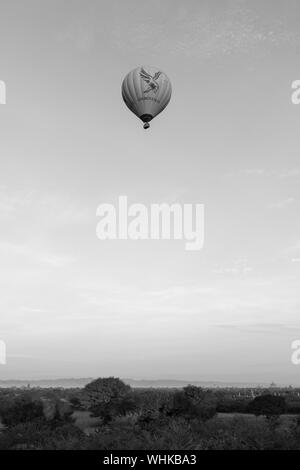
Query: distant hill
{"points": [[135, 383], [43, 383]]}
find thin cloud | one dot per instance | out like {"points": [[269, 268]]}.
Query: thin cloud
{"points": [[291, 252], [19, 356], [36, 254], [81, 36], [239, 268], [265, 328], [34, 310], [51, 209], [198, 31], [283, 204], [260, 172]]}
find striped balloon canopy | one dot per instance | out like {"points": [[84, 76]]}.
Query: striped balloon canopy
{"points": [[146, 92]]}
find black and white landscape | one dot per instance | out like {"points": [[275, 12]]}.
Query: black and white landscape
{"points": [[192, 342]]}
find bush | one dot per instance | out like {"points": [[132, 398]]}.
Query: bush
{"points": [[267, 405], [40, 434], [115, 407], [193, 402], [171, 434], [22, 410], [226, 405]]}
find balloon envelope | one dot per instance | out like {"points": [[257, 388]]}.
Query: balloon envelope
{"points": [[146, 92]]}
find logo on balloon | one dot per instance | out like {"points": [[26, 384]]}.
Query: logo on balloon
{"points": [[150, 80]]}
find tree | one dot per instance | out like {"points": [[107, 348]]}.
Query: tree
{"points": [[22, 410], [267, 405], [204, 400], [193, 402], [107, 397]]}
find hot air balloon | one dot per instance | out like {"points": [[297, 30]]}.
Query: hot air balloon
{"points": [[146, 92]]}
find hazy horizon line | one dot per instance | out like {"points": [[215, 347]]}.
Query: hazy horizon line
{"points": [[165, 380]]}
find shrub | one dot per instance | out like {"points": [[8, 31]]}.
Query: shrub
{"points": [[267, 405], [192, 402], [40, 434], [115, 407], [22, 410]]}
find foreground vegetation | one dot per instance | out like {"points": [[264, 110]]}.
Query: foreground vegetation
{"points": [[107, 415]]}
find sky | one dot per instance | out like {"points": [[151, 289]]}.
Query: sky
{"points": [[72, 305]]}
